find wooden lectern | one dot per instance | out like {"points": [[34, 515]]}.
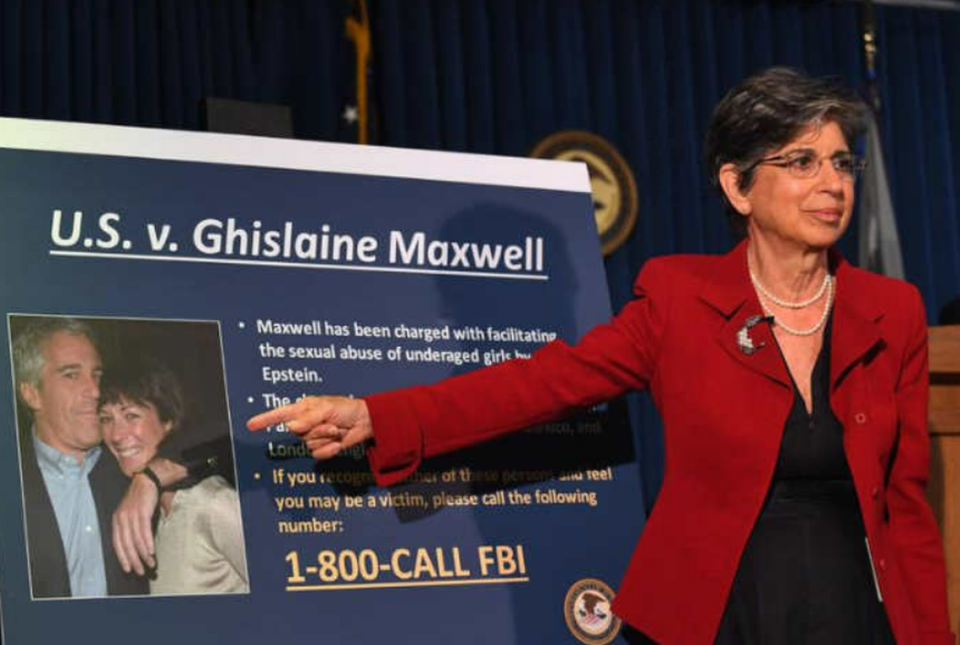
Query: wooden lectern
{"points": [[944, 489]]}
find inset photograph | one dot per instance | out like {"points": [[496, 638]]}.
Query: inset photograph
{"points": [[126, 417]]}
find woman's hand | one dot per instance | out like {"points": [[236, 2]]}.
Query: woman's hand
{"points": [[327, 424]]}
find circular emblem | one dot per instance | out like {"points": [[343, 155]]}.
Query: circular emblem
{"points": [[611, 181], [587, 610]]}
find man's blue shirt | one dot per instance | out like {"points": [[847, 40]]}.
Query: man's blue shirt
{"points": [[68, 486]]}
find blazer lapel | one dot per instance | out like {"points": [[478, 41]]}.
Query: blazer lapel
{"points": [[730, 293], [855, 315], [854, 329]]}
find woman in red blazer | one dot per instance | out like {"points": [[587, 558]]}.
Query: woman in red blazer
{"points": [[793, 390]]}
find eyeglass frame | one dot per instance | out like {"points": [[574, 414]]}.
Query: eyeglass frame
{"points": [[857, 166]]}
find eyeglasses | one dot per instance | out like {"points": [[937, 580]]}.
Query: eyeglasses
{"points": [[805, 164]]}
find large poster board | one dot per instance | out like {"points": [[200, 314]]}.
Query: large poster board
{"points": [[257, 271]]}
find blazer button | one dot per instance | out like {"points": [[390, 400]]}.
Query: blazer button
{"points": [[860, 418], [883, 564], [875, 493]]}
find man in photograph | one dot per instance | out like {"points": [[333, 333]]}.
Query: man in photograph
{"points": [[71, 488]]}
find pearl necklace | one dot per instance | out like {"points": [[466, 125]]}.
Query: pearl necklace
{"points": [[804, 332], [786, 304]]}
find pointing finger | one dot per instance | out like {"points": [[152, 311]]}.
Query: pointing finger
{"points": [[271, 417]]}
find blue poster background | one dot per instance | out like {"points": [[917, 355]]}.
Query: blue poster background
{"points": [[561, 543]]}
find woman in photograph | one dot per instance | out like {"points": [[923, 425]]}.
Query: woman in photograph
{"points": [[199, 538]]}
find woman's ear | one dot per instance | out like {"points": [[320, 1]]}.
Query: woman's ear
{"points": [[730, 184]]}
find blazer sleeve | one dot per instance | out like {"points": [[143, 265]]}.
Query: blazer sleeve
{"points": [[418, 422], [914, 534]]}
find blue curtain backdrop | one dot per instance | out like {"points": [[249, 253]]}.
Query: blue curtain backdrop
{"points": [[496, 76]]}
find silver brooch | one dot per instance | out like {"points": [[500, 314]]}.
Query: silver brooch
{"points": [[744, 342]]}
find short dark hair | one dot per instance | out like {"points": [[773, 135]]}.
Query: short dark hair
{"points": [[144, 380], [768, 110]]}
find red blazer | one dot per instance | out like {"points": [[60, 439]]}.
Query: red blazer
{"points": [[723, 413]]}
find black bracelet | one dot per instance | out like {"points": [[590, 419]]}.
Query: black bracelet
{"points": [[152, 476]]}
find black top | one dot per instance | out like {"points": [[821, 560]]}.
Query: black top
{"points": [[812, 444], [804, 576]]}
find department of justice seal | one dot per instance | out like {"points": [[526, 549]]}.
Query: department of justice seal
{"points": [[587, 612], [612, 184]]}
